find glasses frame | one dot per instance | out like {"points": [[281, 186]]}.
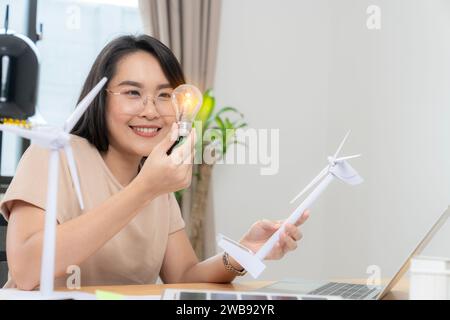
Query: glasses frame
{"points": [[144, 101]]}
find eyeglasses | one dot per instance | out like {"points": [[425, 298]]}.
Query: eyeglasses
{"points": [[133, 102]]}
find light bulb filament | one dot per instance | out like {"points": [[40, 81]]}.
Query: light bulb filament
{"points": [[187, 100]]}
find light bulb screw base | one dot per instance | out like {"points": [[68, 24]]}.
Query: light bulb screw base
{"points": [[184, 128]]}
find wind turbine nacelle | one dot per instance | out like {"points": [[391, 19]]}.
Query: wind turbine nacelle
{"points": [[345, 172]]}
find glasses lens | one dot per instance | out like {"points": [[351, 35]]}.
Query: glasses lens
{"points": [[134, 102], [130, 100], [163, 103], [164, 107]]}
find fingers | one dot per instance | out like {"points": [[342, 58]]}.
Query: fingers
{"points": [[287, 242], [303, 218], [300, 220], [269, 225], [293, 232], [289, 237], [277, 251], [183, 157], [189, 159], [168, 140], [184, 154]]}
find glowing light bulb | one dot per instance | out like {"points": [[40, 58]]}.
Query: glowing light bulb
{"points": [[187, 100]]}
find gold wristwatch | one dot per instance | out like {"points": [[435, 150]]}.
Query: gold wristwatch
{"points": [[229, 266]]}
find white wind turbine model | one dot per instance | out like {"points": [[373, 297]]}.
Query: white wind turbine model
{"points": [[55, 139], [336, 168]]}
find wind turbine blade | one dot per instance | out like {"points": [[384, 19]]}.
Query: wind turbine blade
{"points": [[348, 157], [342, 144], [37, 119], [37, 136], [73, 173], [83, 105], [311, 184]]}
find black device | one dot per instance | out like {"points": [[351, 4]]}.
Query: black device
{"points": [[19, 76], [179, 140], [19, 72]]}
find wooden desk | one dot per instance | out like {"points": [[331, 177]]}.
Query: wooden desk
{"points": [[399, 292]]}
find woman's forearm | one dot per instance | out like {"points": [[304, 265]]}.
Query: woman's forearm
{"points": [[211, 270], [80, 237]]}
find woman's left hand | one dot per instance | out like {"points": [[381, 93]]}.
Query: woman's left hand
{"points": [[262, 230]]}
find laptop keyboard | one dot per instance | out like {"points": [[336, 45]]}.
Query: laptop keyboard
{"points": [[345, 290]]}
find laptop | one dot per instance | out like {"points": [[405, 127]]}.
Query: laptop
{"points": [[355, 291]]}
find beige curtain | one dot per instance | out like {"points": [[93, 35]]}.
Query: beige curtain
{"points": [[190, 28]]}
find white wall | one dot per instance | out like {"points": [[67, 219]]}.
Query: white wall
{"points": [[314, 70]]}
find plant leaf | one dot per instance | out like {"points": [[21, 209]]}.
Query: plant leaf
{"points": [[207, 107], [179, 195], [242, 125], [229, 109], [220, 123], [228, 124], [208, 123]]}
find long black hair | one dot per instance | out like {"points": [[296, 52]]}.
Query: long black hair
{"points": [[92, 125]]}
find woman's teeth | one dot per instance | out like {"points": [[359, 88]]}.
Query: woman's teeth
{"points": [[146, 130]]}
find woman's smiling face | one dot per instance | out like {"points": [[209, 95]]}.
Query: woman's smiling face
{"points": [[139, 110]]}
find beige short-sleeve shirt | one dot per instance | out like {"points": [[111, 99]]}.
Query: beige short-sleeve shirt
{"points": [[132, 256]]}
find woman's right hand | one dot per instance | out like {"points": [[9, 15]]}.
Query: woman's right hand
{"points": [[162, 173]]}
